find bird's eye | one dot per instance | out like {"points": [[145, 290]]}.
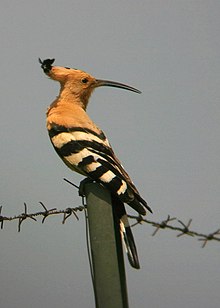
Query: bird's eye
{"points": [[84, 80]]}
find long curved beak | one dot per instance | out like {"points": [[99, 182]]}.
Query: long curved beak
{"points": [[108, 83]]}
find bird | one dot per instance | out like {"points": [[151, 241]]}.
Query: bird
{"points": [[84, 148]]}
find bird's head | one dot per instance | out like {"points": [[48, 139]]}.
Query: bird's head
{"points": [[77, 82]]}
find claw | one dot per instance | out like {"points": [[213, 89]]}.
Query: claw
{"points": [[82, 184]]}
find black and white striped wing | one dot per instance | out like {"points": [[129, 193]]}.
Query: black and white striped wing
{"points": [[90, 154]]}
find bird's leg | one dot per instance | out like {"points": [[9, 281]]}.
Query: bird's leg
{"points": [[82, 184]]}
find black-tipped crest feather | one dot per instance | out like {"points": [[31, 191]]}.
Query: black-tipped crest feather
{"points": [[46, 64]]}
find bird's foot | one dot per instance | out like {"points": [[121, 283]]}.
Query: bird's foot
{"points": [[82, 184]]}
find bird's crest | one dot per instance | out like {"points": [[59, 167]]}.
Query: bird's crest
{"points": [[46, 65]]}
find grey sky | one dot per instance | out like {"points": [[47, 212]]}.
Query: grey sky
{"points": [[167, 138]]}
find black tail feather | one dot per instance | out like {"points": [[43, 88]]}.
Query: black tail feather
{"points": [[131, 248], [139, 205], [125, 229]]}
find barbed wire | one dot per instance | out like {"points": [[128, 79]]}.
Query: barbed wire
{"points": [[171, 223], [183, 228], [46, 213]]}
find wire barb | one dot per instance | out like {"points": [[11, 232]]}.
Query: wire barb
{"points": [[71, 183], [210, 237], [185, 229], [24, 216], [1, 217], [46, 212], [163, 224]]}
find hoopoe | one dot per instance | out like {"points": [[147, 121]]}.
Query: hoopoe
{"points": [[85, 149]]}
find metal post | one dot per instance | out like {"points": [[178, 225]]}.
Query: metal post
{"points": [[106, 249]]}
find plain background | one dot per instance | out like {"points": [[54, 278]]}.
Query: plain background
{"points": [[167, 139]]}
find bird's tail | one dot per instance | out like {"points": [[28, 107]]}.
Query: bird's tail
{"points": [[126, 233]]}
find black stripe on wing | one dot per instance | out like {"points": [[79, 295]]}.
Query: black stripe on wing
{"points": [[113, 183], [75, 146], [57, 129]]}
